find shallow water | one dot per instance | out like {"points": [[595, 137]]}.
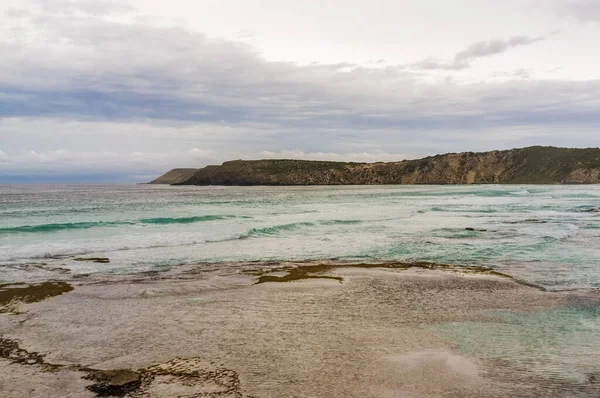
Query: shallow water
{"points": [[541, 234], [560, 344]]}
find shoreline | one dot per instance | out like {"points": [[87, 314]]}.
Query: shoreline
{"points": [[331, 330], [297, 269]]}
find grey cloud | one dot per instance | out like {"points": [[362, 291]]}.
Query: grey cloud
{"points": [[517, 73], [92, 67], [91, 7], [78, 80], [464, 58], [432, 63], [584, 10], [493, 47], [88, 66]]}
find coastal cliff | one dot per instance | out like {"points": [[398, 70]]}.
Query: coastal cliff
{"points": [[532, 165]]}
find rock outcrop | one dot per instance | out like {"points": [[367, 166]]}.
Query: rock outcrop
{"points": [[533, 165]]}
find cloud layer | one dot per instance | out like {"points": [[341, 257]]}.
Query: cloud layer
{"points": [[93, 85], [464, 58], [585, 10]]}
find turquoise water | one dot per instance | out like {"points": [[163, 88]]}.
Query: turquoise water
{"points": [[559, 345], [542, 234]]}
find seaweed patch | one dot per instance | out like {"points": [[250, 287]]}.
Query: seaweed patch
{"points": [[318, 271], [11, 294]]}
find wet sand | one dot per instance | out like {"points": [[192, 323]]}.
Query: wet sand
{"points": [[319, 331]]}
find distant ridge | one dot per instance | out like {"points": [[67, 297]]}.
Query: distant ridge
{"points": [[532, 165], [175, 176]]}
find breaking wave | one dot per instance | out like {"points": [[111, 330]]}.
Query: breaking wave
{"points": [[277, 229], [184, 220], [48, 228]]}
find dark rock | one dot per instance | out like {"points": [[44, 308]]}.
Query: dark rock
{"points": [[114, 383], [10, 350], [529, 220], [592, 210], [100, 260]]}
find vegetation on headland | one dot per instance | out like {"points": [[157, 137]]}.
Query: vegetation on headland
{"points": [[532, 165], [174, 176]]}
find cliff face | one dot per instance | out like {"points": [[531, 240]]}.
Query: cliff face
{"points": [[175, 176], [534, 165]]}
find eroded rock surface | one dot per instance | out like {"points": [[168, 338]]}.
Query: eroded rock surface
{"points": [[179, 377], [114, 382], [188, 377]]}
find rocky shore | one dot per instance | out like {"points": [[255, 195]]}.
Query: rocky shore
{"points": [[304, 330]]}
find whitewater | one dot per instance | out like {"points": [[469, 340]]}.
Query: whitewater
{"points": [[545, 235]]}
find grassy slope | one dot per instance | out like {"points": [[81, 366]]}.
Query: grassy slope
{"points": [[175, 176], [534, 165]]}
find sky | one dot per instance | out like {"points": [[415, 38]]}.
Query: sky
{"points": [[124, 90]]}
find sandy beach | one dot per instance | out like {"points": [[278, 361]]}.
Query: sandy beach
{"points": [[316, 331]]}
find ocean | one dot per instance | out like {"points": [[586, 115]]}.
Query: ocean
{"points": [[183, 255], [545, 235]]}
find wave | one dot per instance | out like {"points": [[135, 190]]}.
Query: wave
{"points": [[61, 226], [66, 254], [269, 231], [591, 226], [566, 231], [28, 212], [340, 222], [253, 233], [464, 190], [56, 227], [459, 210], [183, 220], [277, 229]]}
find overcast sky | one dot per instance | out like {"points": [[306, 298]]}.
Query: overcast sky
{"points": [[123, 90]]}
